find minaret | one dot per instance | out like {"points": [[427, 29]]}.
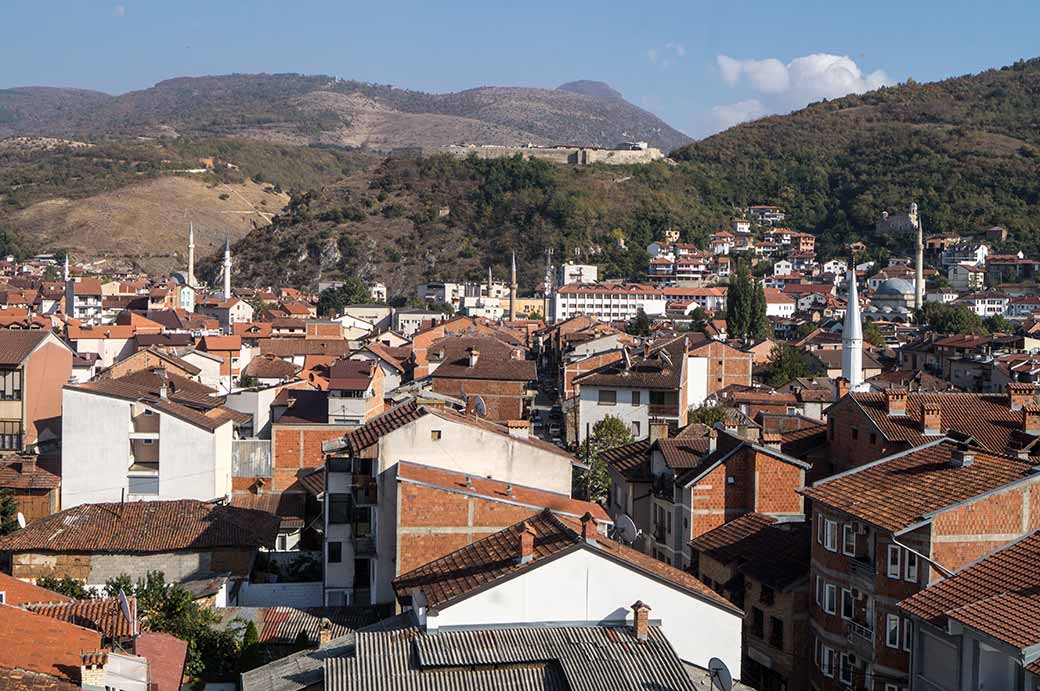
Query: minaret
{"points": [[227, 267], [852, 338], [66, 267], [919, 265], [191, 255], [512, 291]]}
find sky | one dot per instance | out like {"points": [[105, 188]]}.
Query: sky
{"points": [[699, 65]]}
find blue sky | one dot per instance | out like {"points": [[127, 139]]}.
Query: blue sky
{"points": [[699, 65]]}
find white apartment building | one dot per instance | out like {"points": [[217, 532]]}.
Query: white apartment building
{"points": [[608, 302], [578, 273], [122, 440]]}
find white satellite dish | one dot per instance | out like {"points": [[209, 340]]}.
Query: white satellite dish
{"points": [[720, 676], [626, 528], [479, 406], [124, 605], [21, 520]]}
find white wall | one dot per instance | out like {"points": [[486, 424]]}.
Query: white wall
{"points": [[95, 448], [590, 411], [280, 594], [696, 381], [210, 374], [584, 587], [193, 463]]}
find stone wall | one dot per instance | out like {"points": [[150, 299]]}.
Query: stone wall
{"points": [[561, 155]]}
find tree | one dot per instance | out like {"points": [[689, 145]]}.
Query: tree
{"points": [[351, 292], [746, 307], [639, 325], [786, 363], [708, 414], [67, 586], [608, 433], [8, 512], [872, 334], [998, 323], [952, 319], [252, 652]]}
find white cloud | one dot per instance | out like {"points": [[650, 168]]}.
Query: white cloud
{"points": [[678, 48], [729, 69], [652, 55], [119, 11], [667, 55], [736, 113], [804, 79]]}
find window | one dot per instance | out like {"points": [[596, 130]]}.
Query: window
{"points": [[757, 623], [848, 604], [873, 439], [819, 529], [776, 633], [893, 561], [910, 573], [148, 411], [335, 552], [148, 442], [635, 398], [635, 429], [830, 598], [10, 435], [435, 435], [282, 543], [855, 433], [908, 635], [3, 597], [845, 669], [848, 540], [10, 385], [819, 591], [827, 662], [362, 573], [607, 397], [892, 631], [831, 536], [339, 509], [148, 484]]}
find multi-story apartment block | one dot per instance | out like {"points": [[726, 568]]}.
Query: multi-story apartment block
{"points": [[355, 392], [34, 365], [607, 302], [83, 300], [886, 530]]}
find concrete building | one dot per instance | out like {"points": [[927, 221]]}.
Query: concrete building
{"points": [[608, 302], [34, 365], [578, 273], [712, 367]]}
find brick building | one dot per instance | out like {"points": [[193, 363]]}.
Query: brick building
{"points": [[299, 426], [34, 365], [34, 484], [714, 366], [864, 427], [486, 367], [762, 566], [886, 530]]}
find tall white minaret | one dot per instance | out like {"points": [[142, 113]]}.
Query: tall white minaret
{"points": [[915, 219], [191, 255], [852, 338], [512, 291], [227, 266], [70, 291], [66, 267]]}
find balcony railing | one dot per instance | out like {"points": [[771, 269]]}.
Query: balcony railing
{"points": [[364, 546], [365, 490], [861, 639], [251, 458], [863, 573], [663, 410]]}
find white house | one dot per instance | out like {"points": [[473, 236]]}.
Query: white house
{"points": [[985, 304], [577, 576], [964, 277], [609, 302], [779, 304], [123, 439], [783, 268]]}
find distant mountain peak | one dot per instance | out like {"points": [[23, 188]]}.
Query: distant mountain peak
{"points": [[588, 87]]}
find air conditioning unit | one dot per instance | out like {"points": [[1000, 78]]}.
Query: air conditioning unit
{"points": [[853, 660], [860, 528], [857, 594]]}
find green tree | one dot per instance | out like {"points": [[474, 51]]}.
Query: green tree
{"points": [[67, 586], [872, 334], [746, 307], [759, 328], [998, 323], [786, 363], [252, 652], [952, 319], [708, 414], [8, 512], [608, 433], [352, 292], [639, 325]]}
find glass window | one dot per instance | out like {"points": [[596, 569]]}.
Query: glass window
{"points": [[831, 536], [892, 631], [910, 565], [848, 540], [339, 508], [893, 561], [827, 662], [635, 398], [848, 604], [845, 669], [635, 429], [607, 397], [143, 485], [335, 552], [830, 598], [362, 573], [908, 635], [435, 435], [819, 529]]}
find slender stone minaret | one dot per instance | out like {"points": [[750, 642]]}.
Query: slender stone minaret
{"points": [[852, 338], [227, 266], [191, 255], [512, 291], [70, 291], [915, 219]]}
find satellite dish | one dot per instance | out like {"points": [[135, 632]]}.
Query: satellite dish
{"points": [[626, 528], [21, 520], [479, 406], [124, 606], [720, 676]]}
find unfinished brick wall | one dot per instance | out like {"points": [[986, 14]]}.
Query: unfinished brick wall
{"points": [[296, 447], [504, 399]]}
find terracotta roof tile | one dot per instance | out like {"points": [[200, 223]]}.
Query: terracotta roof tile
{"points": [[15, 345], [55, 648], [290, 347], [104, 615], [661, 369], [776, 554], [902, 490], [22, 680], [290, 507], [24, 472], [145, 527], [270, 367], [166, 655], [631, 460], [17, 592]]}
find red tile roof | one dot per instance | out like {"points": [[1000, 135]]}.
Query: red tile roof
{"points": [[995, 595], [15, 345], [145, 527], [18, 592], [212, 343], [23, 472], [480, 564], [900, 491], [104, 615], [494, 490], [773, 553], [351, 375], [22, 680], [290, 507], [166, 655], [40, 644]]}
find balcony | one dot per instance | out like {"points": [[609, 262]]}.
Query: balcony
{"points": [[863, 573], [364, 545], [663, 410], [365, 490], [861, 639]]}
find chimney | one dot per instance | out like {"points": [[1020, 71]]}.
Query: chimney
{"points": [[92, 669], [588, 528], [713, 440], [1021, 395], [527, 534], [895, 398], [842, 386], [325, 632], [658, 430], [641, 620], [646, 349], [474, 355], [931, 419], [1031, 419], [772, 439], [521, 429], [962, 457]]}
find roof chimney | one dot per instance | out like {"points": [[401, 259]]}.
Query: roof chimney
{"points": [[895, 398], [520, 429], [92, 669], [658, 430], [325, 631], [1021, 395], [841, 384], [474, 355], [713, 440], [641, 620], [931, 419], [587, 523], [962, 457], [527, 535], [1031, 419], [772, 439]]}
